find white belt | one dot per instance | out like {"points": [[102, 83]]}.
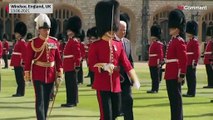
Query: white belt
{"points": [[68, 56], [152, 55], [190, 53], [171, 60], [207, 53], [16, 53], [4, 48]]}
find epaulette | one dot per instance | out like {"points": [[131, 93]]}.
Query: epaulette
{"points": [[97, 41], [32, 39], [53, 38], [160, 42], [180, 38]]}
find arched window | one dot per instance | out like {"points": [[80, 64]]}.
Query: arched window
{"points": [[61, 15], [7, 22], [161, 18], [207, 20], [203, 32], [64, 26], [8, 28]]}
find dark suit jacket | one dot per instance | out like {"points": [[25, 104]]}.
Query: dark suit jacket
{"points": [[125, 80]]}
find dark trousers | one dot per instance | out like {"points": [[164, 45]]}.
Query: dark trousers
{"points": [[108, 105], [42, 94], [155, 76], [5, 58], [80, 74], [209, 71], [175, 99], [191, 80], [19, 74], [91, 77], [127, 102], [71, 87]]}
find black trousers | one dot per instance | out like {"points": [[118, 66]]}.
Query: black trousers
{"points": [[108, 105], [175, 99], [80, 74], [19, 74], [155, 76], [71, 87], [127, 102], [191, 80], [42, 94], [209, 72], [91, 77], [5, 58]]}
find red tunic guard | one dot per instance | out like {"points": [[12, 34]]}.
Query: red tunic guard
{"points": [[176, 58], [155, 53], [45, 62], [19, 53]]}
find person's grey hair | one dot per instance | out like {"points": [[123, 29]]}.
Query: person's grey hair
{"points": [[123, 23]]}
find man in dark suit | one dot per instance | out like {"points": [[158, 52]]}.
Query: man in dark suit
{"points": [[126, 101]]}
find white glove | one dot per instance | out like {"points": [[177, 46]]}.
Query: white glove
{"points": [[137, 84], [109, 68], [58, 81]]}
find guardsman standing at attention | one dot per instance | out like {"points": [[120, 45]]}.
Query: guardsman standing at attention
{"points": [[71, 61], [92, 37], [62, 43], [18, 58], [105, 57], [43, 54], [155, 58], [193, 53], [176, 62], [83, 56], [5, 51], [208, 56]]}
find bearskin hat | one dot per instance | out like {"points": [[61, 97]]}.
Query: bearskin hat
{"points": [[94, 32], [82, 36], [88, 32], [192, 27], [42, 21], [29, 36], [5, 36], [156, 31], [74, 24], [54, 27], [209, 31], [21, 28], [177, 20], [104, 11]]}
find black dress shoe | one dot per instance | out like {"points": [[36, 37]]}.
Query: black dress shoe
{"points": [[68, 105], [211, 101], [17, 95], [187, 95], [120, 114], [208, 87], [5, 68], [89, 85], [86, 76], [151, 91]]}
